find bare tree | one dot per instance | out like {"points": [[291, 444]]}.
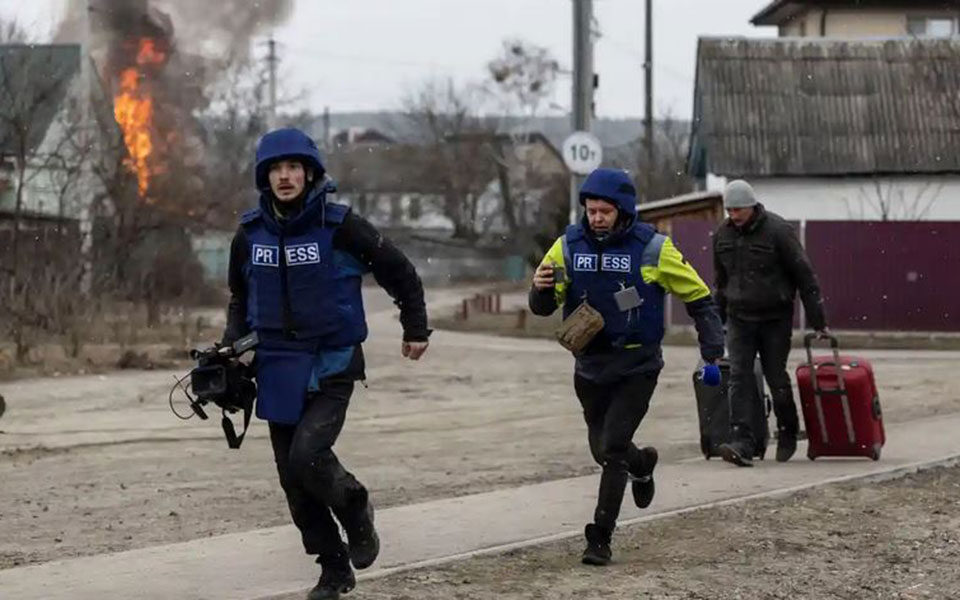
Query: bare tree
{"points": [[522, 77], [445, 119], [40, 136], [232, 123], [27, 105], [136, 232], [890, 201], [533, 195], [668, 177]]}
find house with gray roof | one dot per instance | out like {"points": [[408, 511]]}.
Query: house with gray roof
{"points": [[39, 85], [832, 129]]}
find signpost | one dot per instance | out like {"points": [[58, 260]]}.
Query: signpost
{"points": [[582, 153]]}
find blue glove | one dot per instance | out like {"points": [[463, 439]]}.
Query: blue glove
{"points": [[710, 374]]}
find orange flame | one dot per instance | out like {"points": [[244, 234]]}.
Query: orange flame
{"points": [[133, 111], [148, 54]]}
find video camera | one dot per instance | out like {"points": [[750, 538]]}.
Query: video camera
{"points": [[222, 379]]}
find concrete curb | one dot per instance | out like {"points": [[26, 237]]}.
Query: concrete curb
{"points": [[878, 475]]}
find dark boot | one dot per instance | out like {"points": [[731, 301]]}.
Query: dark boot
{"points": [[362, 539], [597, 551], [642, 485], [738, 452], [786, 444], [788, 423], [337, 578]]}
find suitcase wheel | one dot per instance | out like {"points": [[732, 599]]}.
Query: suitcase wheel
{"points": [[705, 446], [811, 455], [875, 454]]}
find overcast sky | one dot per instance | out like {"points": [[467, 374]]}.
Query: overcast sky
{"points": [[367, 54]]}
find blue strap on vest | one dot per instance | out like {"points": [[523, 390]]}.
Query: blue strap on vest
{"points": [[567, 261], [250, 216], [574, 233], [651, 252], [644, 232], [335, 213]]}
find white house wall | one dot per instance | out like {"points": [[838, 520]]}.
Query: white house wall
{"points": [[42, 191], [925, 198]]}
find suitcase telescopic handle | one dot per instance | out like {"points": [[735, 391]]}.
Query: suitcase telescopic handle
{"points": [[808, 340]]}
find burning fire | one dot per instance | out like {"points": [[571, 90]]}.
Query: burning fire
{"points": [[133, 111]]}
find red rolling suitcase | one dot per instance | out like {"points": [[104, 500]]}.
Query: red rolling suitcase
{"points": [[841, 407]]}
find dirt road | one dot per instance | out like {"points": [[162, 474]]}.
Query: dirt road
{"points": [[95, 464]]}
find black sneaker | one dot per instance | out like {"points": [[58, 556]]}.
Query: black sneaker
{"points": [[333, 582], [737, 452], [363, 543], [642, 485], [597, 551], [786, 445]]}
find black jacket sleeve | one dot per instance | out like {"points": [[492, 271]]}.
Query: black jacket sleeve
{"points": [[798, 266], [237, 307], [709, 328], [720, 282], [392, 270], [542, 302]]}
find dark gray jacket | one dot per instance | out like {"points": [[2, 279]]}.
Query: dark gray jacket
{"points": [[759, 269]]}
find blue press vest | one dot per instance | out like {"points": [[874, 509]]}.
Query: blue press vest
{"points": [[303, 298], [596, 275], [321, 285]]}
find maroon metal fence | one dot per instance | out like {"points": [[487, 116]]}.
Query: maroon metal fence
{"points": [[888, 276], [893, 276]]}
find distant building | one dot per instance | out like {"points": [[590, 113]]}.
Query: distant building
{"points": [[831, 129], [391, 184], [359, 135], [861, 18], [38, 85]]}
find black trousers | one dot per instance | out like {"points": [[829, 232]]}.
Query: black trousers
{"points": [[613, 411], [771, 339], [317, 486]]}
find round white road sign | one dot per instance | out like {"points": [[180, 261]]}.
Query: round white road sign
{"points": [[582, 152]]}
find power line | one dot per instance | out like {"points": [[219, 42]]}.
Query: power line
{"points": [[638, 56]]}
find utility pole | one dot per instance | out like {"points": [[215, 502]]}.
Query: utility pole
{"points": [[582, 85], [326, 129], [648, 141], [272, 66], [90, 142]]}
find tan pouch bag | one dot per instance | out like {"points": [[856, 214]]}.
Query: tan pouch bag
{"points": [[579, 328]]}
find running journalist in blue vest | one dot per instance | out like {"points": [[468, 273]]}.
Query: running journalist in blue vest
{"points": [[611, 273], [296, 264]]}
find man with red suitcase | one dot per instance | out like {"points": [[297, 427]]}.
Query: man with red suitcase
{"points": [[760, 266]]}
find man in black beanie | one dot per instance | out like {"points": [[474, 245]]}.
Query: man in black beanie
{"points": [[760, 266]]}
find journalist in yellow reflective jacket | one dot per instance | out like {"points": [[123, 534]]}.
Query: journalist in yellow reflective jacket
{"points": [[608, 252], [622, 268]]}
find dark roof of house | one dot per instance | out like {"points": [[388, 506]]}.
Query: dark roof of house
{"points": [[393, 168], [519, 137], [33, 84], [778, 12], [381, 169], [364, 135], [798, 107], [611, 132]]}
